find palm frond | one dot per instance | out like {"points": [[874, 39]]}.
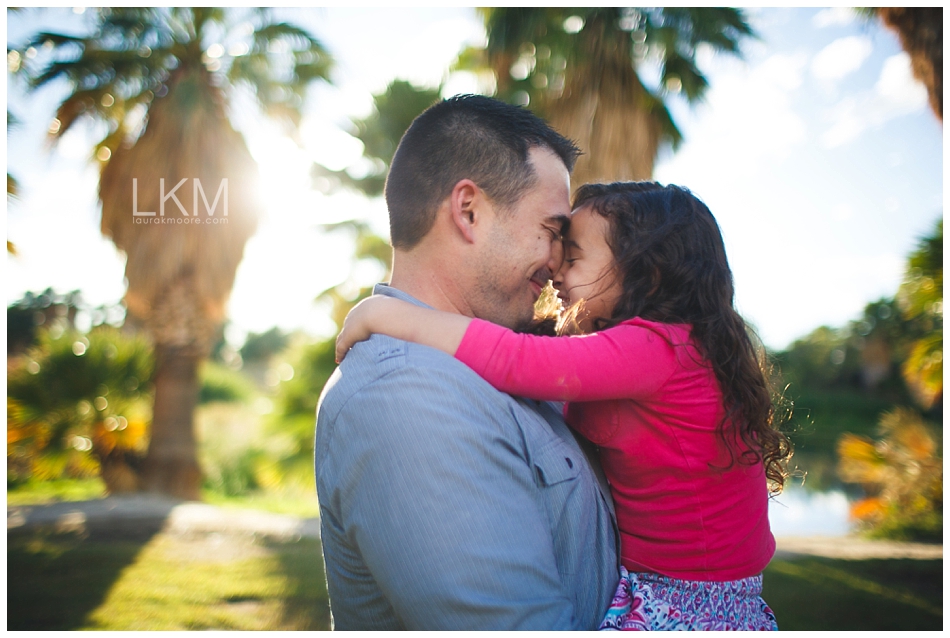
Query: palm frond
{"points": [[692, 82], [57, 40], [279, 82]]}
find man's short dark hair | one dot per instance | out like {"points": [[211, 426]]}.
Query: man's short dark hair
{"points": [[464, 137]]}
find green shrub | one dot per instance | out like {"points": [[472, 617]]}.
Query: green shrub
{"points": [[902, 475], [78, 405]]}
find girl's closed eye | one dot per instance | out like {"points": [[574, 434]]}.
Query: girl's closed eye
{"points": [[588, 273]]}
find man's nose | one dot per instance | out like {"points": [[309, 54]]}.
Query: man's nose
{"points": [[557, 257], [558, 277]]}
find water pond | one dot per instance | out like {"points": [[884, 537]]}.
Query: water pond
{"points": [[801, 512]]}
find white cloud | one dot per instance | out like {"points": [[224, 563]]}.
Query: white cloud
{"points": [[837, 16], [897, 86], [749, 110], [849, 123], [841, 57], [782, 71], [896, 93]]}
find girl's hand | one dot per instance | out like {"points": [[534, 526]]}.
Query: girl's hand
{"points": [[362, 322]]}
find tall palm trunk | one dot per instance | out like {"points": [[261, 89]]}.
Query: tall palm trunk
{"points": [[607, 111], [180, 275], [171, 466]]}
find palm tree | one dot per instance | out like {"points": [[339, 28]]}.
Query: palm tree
{"points": [[580, 68], [162, 80]]}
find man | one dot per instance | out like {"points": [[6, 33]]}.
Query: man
{"points": [[444, 503]]}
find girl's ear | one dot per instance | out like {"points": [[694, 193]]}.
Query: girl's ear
{"points": [[464, 208]]}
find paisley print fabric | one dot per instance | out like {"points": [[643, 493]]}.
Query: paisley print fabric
{"points": [[650, 602]]}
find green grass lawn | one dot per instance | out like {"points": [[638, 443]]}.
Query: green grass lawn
{"points": [[215, 581], [171, 583], [847, 595], [292, 503], [41, 492]]}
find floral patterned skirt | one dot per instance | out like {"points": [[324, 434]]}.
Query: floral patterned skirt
{"points": [[650, 602]]}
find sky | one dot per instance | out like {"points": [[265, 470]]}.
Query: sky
{"points": [[817, 153]]}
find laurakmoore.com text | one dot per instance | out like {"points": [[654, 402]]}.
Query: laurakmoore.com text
{"points": [[179, 221]]}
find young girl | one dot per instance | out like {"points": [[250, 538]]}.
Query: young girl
{"points": [[664, 380]]}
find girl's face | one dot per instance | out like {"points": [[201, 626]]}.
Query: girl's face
{"points": [[588, 271]]}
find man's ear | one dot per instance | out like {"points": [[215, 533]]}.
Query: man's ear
{"points": [[465, 207]]}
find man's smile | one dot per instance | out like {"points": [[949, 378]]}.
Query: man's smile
{"points": [[539, 280]]}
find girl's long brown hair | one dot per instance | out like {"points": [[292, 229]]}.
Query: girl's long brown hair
{"points": [[671, 258]]}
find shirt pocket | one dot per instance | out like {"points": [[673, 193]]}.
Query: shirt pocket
{"points": [[557, 471], [555, 463]]}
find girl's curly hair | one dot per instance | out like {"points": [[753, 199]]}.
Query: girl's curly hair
{"points": [[671, 259]]}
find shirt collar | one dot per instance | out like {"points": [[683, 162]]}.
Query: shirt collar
{"points": [[389, 291]]}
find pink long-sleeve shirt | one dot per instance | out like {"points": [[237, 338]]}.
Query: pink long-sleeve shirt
{"points": [[646, 397]]}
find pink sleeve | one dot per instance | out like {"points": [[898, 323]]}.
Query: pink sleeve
{"points": [[623, 362]]}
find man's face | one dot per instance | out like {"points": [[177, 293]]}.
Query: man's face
{"points": [[524, 246]]}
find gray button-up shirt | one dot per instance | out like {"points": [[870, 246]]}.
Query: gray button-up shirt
{"points": [[446, 504]]}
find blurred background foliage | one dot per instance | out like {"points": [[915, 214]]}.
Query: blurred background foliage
{"points": [[868, 403], [867, 408], [867, 396], [79, 408], [79, 405], [902, 474]]}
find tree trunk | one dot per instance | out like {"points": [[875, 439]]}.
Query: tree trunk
{"points": [[171, 465], [618, 135], [606, 110]]}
